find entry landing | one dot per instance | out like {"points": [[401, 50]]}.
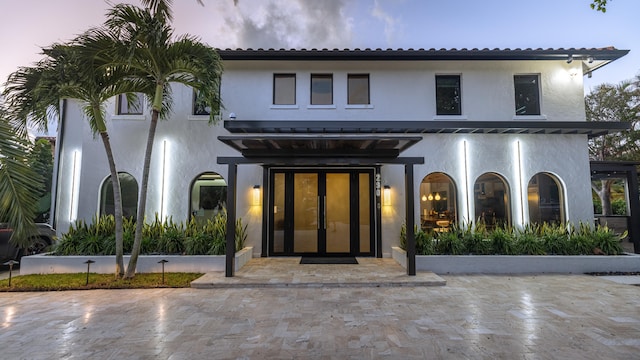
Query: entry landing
{"points": [[284, 272]]}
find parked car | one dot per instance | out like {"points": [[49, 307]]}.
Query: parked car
{"points": [[8, 251]]}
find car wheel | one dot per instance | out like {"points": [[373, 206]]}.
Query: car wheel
{"points": [[37, 246]]}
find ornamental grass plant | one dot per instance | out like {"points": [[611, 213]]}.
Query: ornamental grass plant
{"points": [[158, 237], [532, 239]]}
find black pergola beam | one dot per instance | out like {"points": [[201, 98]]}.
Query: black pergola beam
{"points": [[590, 129]]}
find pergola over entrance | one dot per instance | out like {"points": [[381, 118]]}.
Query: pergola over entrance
{"points": [[626, 170], [370, 150]]}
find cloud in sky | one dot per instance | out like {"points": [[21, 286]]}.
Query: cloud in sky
{"points": [[391, 24], [284, 24]]}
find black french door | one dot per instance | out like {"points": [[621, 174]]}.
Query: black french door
{"points": [[328, 212]]}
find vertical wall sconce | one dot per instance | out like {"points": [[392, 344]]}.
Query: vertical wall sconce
{"points": [[386, 195], [256, 195]]}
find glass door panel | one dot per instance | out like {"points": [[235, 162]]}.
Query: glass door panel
{"points": [[337, 213], [278, 212], [364, 212], [305, 213]]}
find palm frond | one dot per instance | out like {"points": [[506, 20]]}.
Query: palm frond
{"points": [[19, 184]]}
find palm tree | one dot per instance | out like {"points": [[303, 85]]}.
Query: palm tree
{"points": [[69, 71], [148, 50], [19, 183]]}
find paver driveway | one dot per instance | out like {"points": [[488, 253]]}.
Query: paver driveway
{"points": [[473, 317]]}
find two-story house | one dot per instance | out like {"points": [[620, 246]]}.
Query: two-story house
{"points": [[329, 152]]}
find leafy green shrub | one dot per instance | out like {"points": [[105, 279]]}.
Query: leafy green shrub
{"points": [[555, 239], [172, 239], [168, 237], [606, 241], [528, 241], [448, 243], [424, 243], [501, 241], [474, 238], [581, 240], [241, 233], [619, 207]]}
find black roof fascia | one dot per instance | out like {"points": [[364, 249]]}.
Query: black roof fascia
{"points": [[591, 129], [608, 53]]}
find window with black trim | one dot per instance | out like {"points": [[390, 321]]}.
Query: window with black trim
{"points": [[129, 196], [527, 94], [126, 107], [321, 89], [448, 95], [200, 107], [284, 89], [358, 89]]}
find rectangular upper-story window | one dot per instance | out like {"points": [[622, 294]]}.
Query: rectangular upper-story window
{"points": [[125, 107], [321, 89], [199, 107], [284, 89], [527, 92], [358, 89], [448, 97]]}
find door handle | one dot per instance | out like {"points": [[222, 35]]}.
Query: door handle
{"points": [[318, 214], [325, 212]]}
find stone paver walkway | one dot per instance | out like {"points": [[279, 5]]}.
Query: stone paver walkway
{"points": [[288, 272], [472, 317]]}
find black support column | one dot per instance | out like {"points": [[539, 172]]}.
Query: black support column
{"points": [[634, 208], [230, 252], [411, 239]]}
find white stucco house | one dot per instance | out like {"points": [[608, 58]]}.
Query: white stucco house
{"points": [[329, 152]]}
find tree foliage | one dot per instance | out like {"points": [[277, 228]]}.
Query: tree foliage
{"points": [[19, 183], [614, 103], [599, 5]]}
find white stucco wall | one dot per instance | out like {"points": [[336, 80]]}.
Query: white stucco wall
{"points": [[404, 90], [186, 146]]}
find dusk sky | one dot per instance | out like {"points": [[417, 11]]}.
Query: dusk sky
{"points": [[27, 25]]}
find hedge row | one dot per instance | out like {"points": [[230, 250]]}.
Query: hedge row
{"points": [[533, 239], [158, 237]]}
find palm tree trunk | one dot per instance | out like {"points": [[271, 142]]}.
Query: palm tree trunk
{"points": [[142, 203], [117, 202]]}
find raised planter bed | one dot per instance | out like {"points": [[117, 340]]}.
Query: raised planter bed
{"points": [[520, 264], [47, 264]]}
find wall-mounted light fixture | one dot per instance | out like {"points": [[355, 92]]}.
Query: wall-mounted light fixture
{"points": [[256, 195], [570, 59], [590, 59], [386, 195]]}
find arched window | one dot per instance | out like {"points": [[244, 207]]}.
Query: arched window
{"points": [[491, 200], [437, 202], [208, 196], [545, 198], [129, 191]]}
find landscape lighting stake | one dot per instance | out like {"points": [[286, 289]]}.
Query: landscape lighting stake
{"points": [[11, 263], [163, 261], [88, 262]]}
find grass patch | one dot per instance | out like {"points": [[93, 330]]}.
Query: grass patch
{"points": [[60, 282]]}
